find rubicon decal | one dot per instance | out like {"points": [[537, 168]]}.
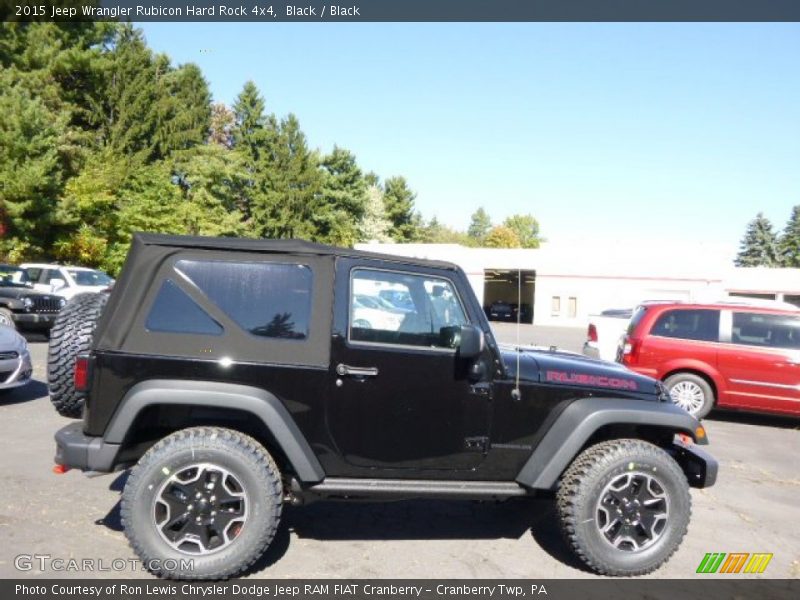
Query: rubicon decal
{"points": [[735, 562], [596, 380]]}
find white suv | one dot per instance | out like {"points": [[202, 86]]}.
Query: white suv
{"points": [[66, 281]]}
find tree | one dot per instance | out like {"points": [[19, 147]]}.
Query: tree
{"points": [[292, 181], [342, 203], [789, 244], [759, 247], [479, 225], [437, 233], [502, 237], [221, 126], [399, 202], [30, 170], [527, 229], [374, 226], [185, 109]]}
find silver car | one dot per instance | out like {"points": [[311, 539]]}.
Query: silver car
{"points": [[15, 360]]}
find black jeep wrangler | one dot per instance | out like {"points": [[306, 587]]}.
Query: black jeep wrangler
{"points": [[238, 375]]}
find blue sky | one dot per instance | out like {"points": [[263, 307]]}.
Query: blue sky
{"points": [[670, 131]]}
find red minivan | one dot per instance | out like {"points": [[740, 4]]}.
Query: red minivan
{"points": [[726, 354]]}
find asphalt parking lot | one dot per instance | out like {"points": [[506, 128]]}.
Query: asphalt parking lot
{"points": [[753, 508]]}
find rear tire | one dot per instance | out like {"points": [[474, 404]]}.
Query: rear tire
{"points": [[692, 393], [208, 495], [624, 507], [70, 336]]}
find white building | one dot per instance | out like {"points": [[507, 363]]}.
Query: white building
{"points": [[565, 283]]}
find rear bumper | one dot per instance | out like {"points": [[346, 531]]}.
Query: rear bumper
{"points": [[76, 450], [700, 467]]}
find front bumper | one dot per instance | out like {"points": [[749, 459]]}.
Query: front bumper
{"points": [[699, 466], [34, 320], [76, 450], [15, 372]]}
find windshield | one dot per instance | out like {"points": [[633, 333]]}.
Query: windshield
{"points": [[13, 276], [87, 277]]}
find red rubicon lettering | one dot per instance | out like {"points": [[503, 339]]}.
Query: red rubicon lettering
{"points": [[584, 379]]}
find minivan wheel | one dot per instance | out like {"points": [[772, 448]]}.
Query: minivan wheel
{"points": [[692, 393], [624, 507], [203, 503]]}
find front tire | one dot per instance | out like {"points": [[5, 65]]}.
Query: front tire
{"points": [[624, 507], [203, 503]]}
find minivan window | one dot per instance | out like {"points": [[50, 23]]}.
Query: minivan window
{"points": [[636, 318], [688, 324], [768, 330]]}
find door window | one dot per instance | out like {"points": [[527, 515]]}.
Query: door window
{"points": [[688, 324], [766, 330], [404, 309]]}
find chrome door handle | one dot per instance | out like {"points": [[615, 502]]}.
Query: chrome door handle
{"points": [[342, 369]]}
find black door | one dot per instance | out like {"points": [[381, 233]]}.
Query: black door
{"points": [[399, 397]]}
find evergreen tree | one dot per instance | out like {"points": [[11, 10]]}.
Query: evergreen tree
{"points": [[759, 247], [527, 229], [185, 115], [292, 183], [399, 202], [789, 244], [30, 170], [479, 225], [342, 204]]}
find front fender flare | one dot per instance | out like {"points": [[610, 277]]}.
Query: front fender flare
{"points": [[581, 419], [258, 402]]}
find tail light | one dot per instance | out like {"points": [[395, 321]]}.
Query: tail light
{"points": [[630, 350], [81, 373], [592, 333]]}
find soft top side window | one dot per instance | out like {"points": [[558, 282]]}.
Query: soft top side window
{"points": [[405, 309], [266, 299]]}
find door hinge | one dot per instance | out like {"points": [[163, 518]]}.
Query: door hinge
{"points": [[478, 444]]}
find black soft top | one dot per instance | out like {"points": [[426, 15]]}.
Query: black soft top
{"points": [[149, 262], [276, 247]]}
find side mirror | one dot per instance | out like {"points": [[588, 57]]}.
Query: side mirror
{"points": [[471, 343], [57, 284]]}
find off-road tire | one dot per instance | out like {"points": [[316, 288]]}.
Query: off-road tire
{"points": [[71, 335], [579, 493], [700, 383], [237, 453], [6, 318]]}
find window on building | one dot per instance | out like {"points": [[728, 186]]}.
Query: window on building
{"points": [[688, 324], [573, 307], [555, 306], [752, 295], [792, 299], [265, 299], [772, 331], [173, 311]]}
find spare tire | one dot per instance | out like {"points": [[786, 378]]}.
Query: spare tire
{"points": [[71, 335]]}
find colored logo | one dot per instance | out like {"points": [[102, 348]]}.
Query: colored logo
{"points": [[735, 562]]}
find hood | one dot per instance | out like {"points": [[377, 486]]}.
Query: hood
{"points": [[10, 339], [559, 367]]}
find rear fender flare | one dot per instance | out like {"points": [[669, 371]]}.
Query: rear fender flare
{"points": [[258, 402]]}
